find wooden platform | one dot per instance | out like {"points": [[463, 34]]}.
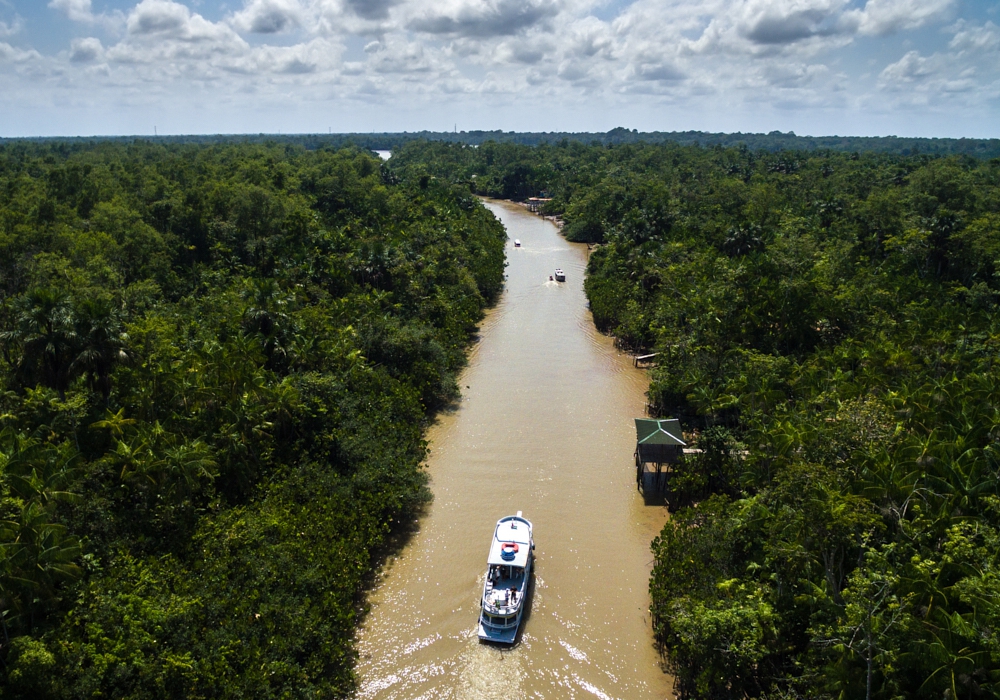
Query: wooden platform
{"points": [[643, 358]]}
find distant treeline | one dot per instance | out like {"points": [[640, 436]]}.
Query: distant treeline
{"points": [[215, 366], [828, 332], [773, 141]]}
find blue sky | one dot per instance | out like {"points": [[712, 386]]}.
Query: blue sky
{"points": [[859, 67]]}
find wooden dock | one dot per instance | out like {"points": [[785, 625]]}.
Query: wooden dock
{"points": [[643, 358], [535, 204]]}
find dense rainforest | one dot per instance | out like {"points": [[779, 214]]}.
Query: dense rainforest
{"points": [[828, 333], [216, 363], [392, 141]]}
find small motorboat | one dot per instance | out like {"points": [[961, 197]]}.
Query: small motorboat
{"points": [[560, 275], [508, 575], [517, 242]]}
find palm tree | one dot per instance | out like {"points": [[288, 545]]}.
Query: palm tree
{"points": [[45, 333], [101, 343], [37, 554], [266, 317], [164, 463], [36, 470]]}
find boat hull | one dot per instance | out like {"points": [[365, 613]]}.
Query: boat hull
{"points": [[498, 635]]}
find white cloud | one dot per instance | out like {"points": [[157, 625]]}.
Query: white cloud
{"points": [[985, 39], [964, 76], [481, 18], [659, 72], [371, 9], [76, 10], [165, 20], [788, 21], [82, 11], [400, 58], [11, 28], [717, 56], [910, 68], [86, 50], [269, 16], [15, 55], [345, 17], [160, 17], [590, 37], [793, 75], [886, 16], [169, 34], [317, 56], [525, 51]]}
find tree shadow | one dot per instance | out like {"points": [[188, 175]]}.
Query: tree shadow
{"points": [[399, 536]]}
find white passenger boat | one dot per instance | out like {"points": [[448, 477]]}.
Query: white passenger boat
{"points": [[517, 242], [508, 575], [560, 275]]}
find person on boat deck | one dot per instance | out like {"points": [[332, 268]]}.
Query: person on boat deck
{"points": [[513, 595]]}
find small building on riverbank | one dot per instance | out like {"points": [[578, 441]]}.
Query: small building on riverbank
{"points": [[535, 204], [659, 442]]}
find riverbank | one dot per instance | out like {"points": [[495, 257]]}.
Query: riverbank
{"points": [[555, 220]]}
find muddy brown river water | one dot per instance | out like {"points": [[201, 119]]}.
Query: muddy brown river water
{"points": [[545, 427]]}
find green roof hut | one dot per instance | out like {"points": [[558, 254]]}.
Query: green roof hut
{"points": [[658, 440]]}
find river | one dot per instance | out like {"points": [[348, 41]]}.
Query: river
{"points": [[544, 426]]}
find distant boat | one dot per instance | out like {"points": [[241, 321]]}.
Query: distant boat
{"points": [[560, 275], [508, 574], [517, 242]]}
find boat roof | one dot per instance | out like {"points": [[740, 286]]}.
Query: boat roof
{"points": [[511, 529]]}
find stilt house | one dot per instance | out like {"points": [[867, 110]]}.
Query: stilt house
{"points": [[658, 441]]}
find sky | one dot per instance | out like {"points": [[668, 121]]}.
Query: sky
{"points": [[815, 67]]}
